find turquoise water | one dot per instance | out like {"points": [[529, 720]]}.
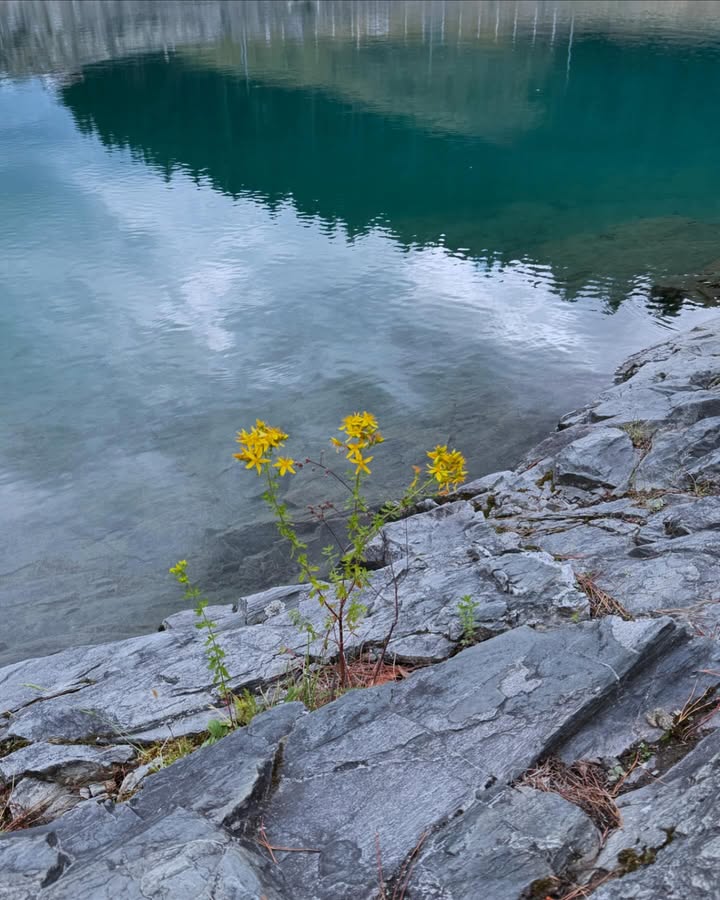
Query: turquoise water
{"points": [[452, 214]]}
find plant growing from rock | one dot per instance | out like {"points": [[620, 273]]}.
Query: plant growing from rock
{"points": [[341, 596], [164, 753], [639, 433], [466, 610], [214, 653]]}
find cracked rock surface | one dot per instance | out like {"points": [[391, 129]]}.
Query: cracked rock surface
{"points": [[595, 568]]}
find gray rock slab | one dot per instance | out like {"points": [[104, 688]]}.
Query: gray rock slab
{"points": [[402, 758], [182, 856], [135, 777], [250, 609], [676, 817], [665, 684], [603, 458], [152, 687], [687, 354], [36, 800], [669, 562], [29, 862], [222, 781], [158, 686], [484, 484], [499, 848], [434, 559], [71, 763], [225, 615], [173, 838], [681, 457]]}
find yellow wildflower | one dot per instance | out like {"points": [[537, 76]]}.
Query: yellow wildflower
{"points": [[361, 462], [285, 464], [275, 437], [179, 570], [255, 459], [448, 466], [362, 427], [262, 438]]}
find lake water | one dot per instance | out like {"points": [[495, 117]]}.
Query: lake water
{"points": [[452, 214]]}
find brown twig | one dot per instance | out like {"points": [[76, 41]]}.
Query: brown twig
{"points": [[695, 713], [405, 871], [26, 819], [617, 787], [381, 875], [264, 842]]}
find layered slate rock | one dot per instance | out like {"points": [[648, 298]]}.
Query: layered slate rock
{"points": [[499, 848], [669, 842], [377, 767], [174, 839], [419, 778], [386, 764], [74, 763], [158, 686], [603, 458], [182, 856]]}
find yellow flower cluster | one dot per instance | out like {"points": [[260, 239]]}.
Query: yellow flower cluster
{"points": [[258, 445], [179, 570], [361, 430], [447, 467]]}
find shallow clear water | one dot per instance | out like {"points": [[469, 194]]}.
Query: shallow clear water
{"points": [[451, 214]]}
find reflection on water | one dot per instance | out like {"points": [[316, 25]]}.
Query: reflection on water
{"points": [[219, 210]]}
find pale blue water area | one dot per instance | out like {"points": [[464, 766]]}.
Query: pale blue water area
{"points": [[451, 214]]}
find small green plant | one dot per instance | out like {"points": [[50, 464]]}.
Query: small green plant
{"points": [[466, 610], [165, 753], [639, 434], [341, 596], [644, 752], [247, 706], [214, 653], [703, 487], [217, 728]]}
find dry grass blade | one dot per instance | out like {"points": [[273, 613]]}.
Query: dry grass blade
{"points": [[701, 616], [601, 603], [9, 822], [696, 712], [583, 784], [363, 673]]}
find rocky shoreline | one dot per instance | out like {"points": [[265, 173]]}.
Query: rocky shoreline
{"points": [[573, 747]]}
